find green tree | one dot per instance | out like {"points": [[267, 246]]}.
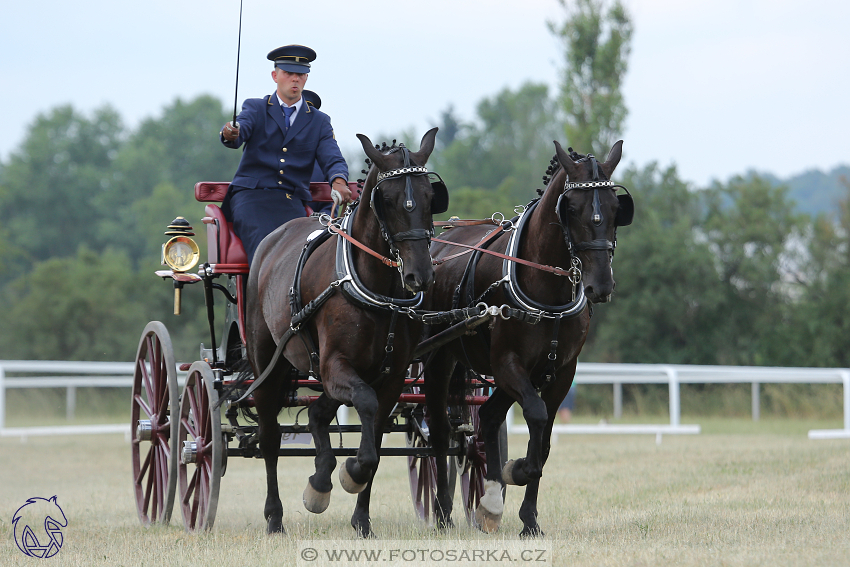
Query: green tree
{"points": [[751, 226], [819, 323], [52, 183], [596, 38], [179, 149], [666, 300], [507, 150]]}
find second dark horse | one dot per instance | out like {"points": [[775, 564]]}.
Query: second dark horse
{"points": [[361, 309], [573, 225]]}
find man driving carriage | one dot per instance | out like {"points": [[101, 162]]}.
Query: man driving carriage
{"points": [[284, 138]]}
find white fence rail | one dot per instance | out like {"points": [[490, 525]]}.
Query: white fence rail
{"points": [[72, 375]]}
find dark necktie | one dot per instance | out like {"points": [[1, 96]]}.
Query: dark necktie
{"points": [[287, 112]]}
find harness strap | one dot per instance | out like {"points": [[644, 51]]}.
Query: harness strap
{"points": [[386, 261], [551, 269], [387, 364], [451, 223], [483, 242]]}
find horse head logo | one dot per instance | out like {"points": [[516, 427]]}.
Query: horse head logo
{"points": [[38, 527]]}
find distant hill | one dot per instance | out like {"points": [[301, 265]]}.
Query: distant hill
{"points": [[815, 191]]}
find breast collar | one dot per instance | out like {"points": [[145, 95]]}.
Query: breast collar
{"points": [[354, 288], [518, 296]]}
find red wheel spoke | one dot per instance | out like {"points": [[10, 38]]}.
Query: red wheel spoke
{"points": [[190, 427], [193, 403], [144, 467], [146, 381], [197, 494], [190, 487], [204, 412], [149, 487], [144, 406]]}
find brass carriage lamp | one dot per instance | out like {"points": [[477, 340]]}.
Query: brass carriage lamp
{"points": [[180, 253]]}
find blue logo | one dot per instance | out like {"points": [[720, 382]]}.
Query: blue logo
{"points": [[38, 527]]}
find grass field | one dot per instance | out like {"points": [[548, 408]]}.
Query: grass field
{"points": [[765, 496]]}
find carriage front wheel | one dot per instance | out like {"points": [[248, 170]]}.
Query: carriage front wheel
{"points": [[202, 449], [153, 423]]}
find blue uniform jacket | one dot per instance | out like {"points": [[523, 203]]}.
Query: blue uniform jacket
{"points": [[273, 159]]}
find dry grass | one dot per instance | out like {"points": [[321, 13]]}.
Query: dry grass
{"points": [[715, 499]]}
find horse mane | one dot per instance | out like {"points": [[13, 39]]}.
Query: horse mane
{"points": [[384, 149], [555, 167]]}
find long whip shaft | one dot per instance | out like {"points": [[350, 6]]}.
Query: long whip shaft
{"points": [[238, 53]]}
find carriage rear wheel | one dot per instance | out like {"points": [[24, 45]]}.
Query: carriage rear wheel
{"points": [[153, 424], [472, 463], [201, 449], [422, 470]]}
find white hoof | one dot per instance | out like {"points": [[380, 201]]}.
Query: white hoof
{"points": [[315, 501], [488, 515], [348, 483], [507, 472]]}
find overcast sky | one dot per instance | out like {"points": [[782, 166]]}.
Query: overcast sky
{"points": [[716, 87]]}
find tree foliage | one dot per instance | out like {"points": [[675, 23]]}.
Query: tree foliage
{"points": [[503, 155], [596, 37]]}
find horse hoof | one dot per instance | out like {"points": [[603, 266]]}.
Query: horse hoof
{"points": [[488, 515], [507, 472], [315, 501], [348, 483], [275, 526], [487, 522], [529, 532]]}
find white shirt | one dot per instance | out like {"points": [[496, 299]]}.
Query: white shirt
{"points": [[297, 106]]}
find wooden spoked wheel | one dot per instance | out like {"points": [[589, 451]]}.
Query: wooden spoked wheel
{"points": [[472, 463], [422, 471], [154, 426], [201, 449]]}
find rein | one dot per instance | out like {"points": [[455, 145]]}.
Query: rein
{"points": [[551, 269], [384, 260]]}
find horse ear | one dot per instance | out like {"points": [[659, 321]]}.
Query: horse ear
{"points": [[613, 159], [426, 146], [566, 161], [373, 153]]}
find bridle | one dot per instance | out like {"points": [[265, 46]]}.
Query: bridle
{"points": [[625, 211], [407, 171]]}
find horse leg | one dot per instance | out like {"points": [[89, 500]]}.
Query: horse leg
{"points": [[552, 396], [268, 400], [436, 385], [317, 494], [386, 400], [488, 515]]}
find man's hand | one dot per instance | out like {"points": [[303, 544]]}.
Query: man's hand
{"points": [[230, 131], [340, 193]]}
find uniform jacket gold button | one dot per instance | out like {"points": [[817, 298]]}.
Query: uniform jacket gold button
{"points": [[281, 172], [280, 182], [284, 150]]}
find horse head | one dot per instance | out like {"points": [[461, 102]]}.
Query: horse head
{"points": [[589, 211], [403, 198]]}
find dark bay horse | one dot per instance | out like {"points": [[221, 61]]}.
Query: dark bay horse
{"points": [[573, 225], [358, 340]]}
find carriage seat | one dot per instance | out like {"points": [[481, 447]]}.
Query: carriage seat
{"points": [[224, 247]]}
